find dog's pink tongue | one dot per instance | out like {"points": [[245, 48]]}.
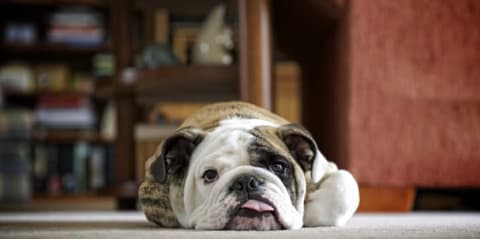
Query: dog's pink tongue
{"points": [[257, 206]]}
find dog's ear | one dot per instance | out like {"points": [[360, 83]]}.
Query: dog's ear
{"points": [[175, 153], [304, 149]]}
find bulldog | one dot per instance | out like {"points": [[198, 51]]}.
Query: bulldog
{"points": [[237, 166]]}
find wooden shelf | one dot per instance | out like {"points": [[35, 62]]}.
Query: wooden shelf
{"points": [[177, 7], [34, 94], [68, 136], [90, 3], [103, 88], [56, 48], [30, 99], [63, 202], [197, 82]]}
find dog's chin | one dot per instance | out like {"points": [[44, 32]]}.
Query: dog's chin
{"points": [[254, 215], [250, 220]]}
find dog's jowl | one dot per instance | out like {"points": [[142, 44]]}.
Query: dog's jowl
{"points": [[236, 166]]}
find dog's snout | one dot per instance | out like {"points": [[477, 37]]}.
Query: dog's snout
{"points": [[246, 183]]}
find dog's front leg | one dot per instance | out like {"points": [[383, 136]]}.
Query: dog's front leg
{"points": [[333, 201]]}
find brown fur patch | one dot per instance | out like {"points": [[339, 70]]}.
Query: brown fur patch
{"points": [[155, 201], [266, 140]]}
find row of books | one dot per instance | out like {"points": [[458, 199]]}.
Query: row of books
{"points": [[81, 27], [15, 184], [16, 124], [71, 168], [74, 26], [52, 169], [52, 112], [65, 112]]}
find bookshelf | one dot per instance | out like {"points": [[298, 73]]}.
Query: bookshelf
{"points": [[68, 66], [178, 83]]}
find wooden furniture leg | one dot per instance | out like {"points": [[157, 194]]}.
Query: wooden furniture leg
{"points": [[256, 52], [124, 164], [386, 199]]}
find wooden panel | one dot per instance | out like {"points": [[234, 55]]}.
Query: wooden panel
{"points": [[185, 83], [91, 3], [69, 136], [314, 34], [56, 48], [287, 91], [256, 52], [386, 199], [126, 110]]}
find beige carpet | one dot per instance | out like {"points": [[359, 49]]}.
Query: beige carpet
{"points": [[134, 226]]}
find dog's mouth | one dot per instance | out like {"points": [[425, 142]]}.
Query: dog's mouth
{"points": [[254, 214]]}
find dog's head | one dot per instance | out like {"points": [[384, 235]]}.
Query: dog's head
{"points": [[237, 178]]}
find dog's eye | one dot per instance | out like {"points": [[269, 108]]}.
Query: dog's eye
{"points": [[278, 167], [210, 175]]}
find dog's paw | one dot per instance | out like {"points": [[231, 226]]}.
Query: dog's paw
{"points": [[333, 202]]}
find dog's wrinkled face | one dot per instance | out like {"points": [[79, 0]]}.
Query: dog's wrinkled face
{"points": [[247, 176], [236, 181]]}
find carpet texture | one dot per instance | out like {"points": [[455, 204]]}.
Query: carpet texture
{"points": [[134, 225]]}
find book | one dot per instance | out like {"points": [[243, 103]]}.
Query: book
{"points": [[20, 33], [52, 77], [65, 112], [103, 65], [17, 77], [40, 168], [77, 26], [183, 40], [16, 124], [15, 184], [81, 154], [65, 168], [61, 101], [161, 26], [97, 168], [74, 168]]}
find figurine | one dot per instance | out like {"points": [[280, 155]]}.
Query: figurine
{"points": [[214, 41]]}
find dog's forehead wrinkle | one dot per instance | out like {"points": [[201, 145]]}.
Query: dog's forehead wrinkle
{"points": [[223, 143]]}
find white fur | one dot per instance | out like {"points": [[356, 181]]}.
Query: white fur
{"points": [[225, 149], [212, 213], [206, 205], [319, 167], [332, 203]]}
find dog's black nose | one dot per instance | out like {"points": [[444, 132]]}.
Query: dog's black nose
{"points": [[246, 183]]}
